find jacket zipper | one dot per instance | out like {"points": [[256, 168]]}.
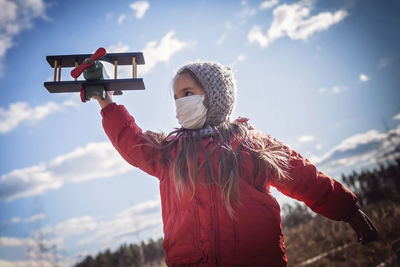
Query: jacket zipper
{"points": [[214, 222]]}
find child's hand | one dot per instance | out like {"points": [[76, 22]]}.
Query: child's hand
{"points": [[105, 102], [364, 228]]}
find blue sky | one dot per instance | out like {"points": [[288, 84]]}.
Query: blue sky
{"points": [[321, 76]]}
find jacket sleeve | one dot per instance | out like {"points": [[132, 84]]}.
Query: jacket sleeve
{"points": [[129, 140], [321, 193]]}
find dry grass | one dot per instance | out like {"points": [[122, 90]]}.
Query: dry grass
{"points": [[159, 264], [322, 235]]}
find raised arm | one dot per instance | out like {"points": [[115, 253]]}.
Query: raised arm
{"points": [[129, 140]]}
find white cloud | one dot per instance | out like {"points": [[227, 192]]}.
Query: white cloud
{"points": [[246, 12], [268, 4], [123, 71], [33, 263], [27, 242], [34, 218], [73, 103], [361, 150], [363, 77], [40, 251], [154, 52], [296, 22], [306, 138], [27, 182], [99, 234], [94, 161], [336, 89], [240, 58], [119, 47], [16, 220], [319, 146], [126, 224], [21, 112], [74, 226], [15, 242], [140, 7], [221, 39], [397, 117], [162, 51], [16, 16], [121, 18], [256, 36]]}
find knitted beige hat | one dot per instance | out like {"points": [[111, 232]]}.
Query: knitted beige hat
{"points": [[219, 85]]}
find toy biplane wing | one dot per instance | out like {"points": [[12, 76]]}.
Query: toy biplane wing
{"points": [[109, 85], [92, 69]]}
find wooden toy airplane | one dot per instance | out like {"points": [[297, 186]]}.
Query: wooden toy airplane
{"points": [[96, 79]]}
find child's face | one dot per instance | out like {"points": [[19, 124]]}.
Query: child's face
{"points": [[184, 85]]}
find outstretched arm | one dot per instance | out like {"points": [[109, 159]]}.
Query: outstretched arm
{"points": [[323, 194]]}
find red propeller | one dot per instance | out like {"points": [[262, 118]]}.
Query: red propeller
{"points": [[75, 73]]}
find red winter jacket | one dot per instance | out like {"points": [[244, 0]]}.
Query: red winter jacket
{"points": [[199, 231]]}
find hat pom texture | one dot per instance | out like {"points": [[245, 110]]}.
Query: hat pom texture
{"points": [[219, 85]]}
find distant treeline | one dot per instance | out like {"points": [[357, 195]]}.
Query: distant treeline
{"points": [[370, 186], [376, 185], [145, 254]]}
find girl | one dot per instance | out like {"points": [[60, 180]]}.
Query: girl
{"points": [[215, 176]]}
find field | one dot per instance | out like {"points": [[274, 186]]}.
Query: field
{"points": [[323, 242]]}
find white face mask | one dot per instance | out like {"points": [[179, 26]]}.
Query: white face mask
{"points": [[190, 111]]}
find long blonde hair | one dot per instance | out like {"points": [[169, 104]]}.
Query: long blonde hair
{"points": [[268, 157]]}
